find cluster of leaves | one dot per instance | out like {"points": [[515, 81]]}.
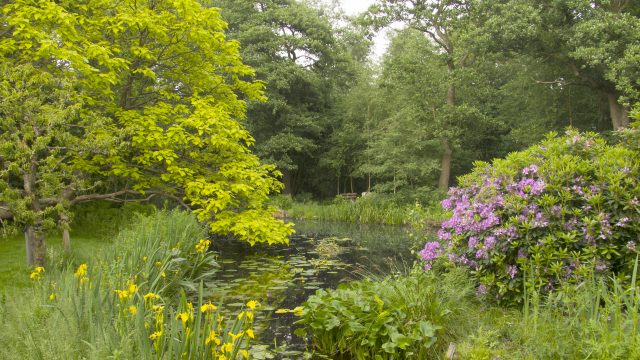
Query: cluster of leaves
{"points": [[130, 301], [554, 211], [397, 318], [105, 99]]}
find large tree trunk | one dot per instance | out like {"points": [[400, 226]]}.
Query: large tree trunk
{"points": [[36, 250], [286, 180], [619, 114], [447, 152], [445, 166]]}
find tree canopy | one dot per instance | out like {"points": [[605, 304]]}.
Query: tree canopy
{"points": [[102, 99]]}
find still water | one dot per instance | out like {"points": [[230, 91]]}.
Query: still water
{"points": [[319, 255]]}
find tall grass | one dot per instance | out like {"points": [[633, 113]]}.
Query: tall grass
{"points": [[129, 302], [596, 319], [366, 210]]}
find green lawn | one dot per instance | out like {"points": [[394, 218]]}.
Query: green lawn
{"points": [[14, 272]]}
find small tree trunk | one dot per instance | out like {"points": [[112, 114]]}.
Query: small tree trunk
{"points": [[66, 238], [27, 245], [445, 166], [338, 185], [619, 114]]}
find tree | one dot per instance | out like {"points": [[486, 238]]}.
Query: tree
{"points": [[593, 42], [102, 99], [442, 22], [292, 47]]}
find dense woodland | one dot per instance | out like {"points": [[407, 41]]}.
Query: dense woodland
{"points": [[461, 81]]}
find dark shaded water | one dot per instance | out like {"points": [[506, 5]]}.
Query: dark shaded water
{"points": [[319, 255]]}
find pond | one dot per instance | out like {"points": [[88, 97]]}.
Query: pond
{"points": [[319, 255]]}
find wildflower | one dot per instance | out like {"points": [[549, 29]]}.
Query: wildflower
{"points": [[253, 304], [144, 258], [133, 288], [81, 272], [133, 310], [512, 270], [235, 337], [202, 246], [212, 338], [622, 222], [240, 315], [250, 334], [158, 263], [482, 289], [157, 308], [209, 307], [122, 294], [156, 335], [150, 296], [52, 297], [35, 274], [227, 347], [244, 353], [184, 316], [631, 246]]}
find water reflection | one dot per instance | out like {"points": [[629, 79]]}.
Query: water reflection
{"points": [[320, 255]]}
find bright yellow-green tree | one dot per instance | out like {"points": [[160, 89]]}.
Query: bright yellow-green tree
{"points": [[101, 99]]}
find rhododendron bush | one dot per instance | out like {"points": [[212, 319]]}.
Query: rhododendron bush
{"points": [[544, 216]]}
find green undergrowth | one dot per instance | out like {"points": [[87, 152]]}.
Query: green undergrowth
{"points": [[426, 315], [414, 316]]}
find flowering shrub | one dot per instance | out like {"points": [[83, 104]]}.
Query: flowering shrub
{"points": [[552, 211]]}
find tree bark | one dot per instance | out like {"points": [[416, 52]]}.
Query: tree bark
{"points": [[447, 152], [445, 168], [619, 114], [66, 238], [27, 246], [36, 248], [286, 180]]}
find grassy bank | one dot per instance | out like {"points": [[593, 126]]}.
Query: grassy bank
{"points": [[365, 210], [137, 298], [14, 272]]}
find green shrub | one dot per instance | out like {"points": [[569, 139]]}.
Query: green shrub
{"points": [[414, 316], [555, 210]]}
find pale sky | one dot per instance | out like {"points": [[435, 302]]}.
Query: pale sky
{"points": [[354, 7]]}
